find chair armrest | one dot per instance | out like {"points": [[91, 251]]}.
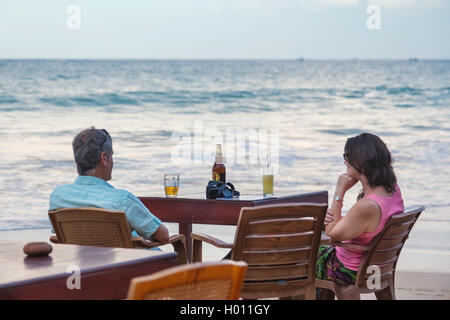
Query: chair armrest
{"points": [[211, 240], [349, 246], [140, 242], [324, 239], [144, 243], [54, 239], [178, 241], [177, 237]]}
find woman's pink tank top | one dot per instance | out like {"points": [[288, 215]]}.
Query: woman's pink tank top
{"points": [[388, 206]]}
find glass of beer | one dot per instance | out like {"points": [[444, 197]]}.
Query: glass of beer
{"points": [[267, 176], [171, 184]]}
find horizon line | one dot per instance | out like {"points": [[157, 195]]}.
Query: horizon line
{"points": [[241, 59]]}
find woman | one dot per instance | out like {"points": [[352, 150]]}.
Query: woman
{"points": [[368, 161]]}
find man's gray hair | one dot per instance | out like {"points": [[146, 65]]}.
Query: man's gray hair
{"points": [[88, 145]]}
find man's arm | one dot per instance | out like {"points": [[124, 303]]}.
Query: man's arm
{"points": [[161, 234], [144, 222]]}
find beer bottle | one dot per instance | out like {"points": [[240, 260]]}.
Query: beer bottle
{"points": [[218, 170]]}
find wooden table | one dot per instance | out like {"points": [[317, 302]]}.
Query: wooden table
{"points": [[187, 211], [105, 272]]}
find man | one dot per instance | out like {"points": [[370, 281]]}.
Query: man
{"points": [[92, 149]]}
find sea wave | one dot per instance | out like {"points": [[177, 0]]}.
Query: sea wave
{"points": [[23, 224], [95, 100], [8, 100], [243, 98], [341, 132]]}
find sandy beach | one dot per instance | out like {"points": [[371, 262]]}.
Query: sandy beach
{"points": [[423, 270]]}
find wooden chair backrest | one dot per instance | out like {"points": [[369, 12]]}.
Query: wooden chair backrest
{"points": [[91, 227], [385, 248], [279, 243], [198, 281]]}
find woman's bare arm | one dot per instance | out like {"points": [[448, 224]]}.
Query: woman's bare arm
{"points": [[344, 183], [357, 221]]}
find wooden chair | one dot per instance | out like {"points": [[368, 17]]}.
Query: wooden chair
{"points": [[104, 228], [198, 281], [280, 244], [383, 251]]}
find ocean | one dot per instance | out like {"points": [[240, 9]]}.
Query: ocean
{"points": [[155, 110]]}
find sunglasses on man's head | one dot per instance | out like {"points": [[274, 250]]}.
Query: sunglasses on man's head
{"points": [[106, 134]]}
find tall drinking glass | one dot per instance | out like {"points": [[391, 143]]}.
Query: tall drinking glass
{"points": [[171, 184], [267, 176]]}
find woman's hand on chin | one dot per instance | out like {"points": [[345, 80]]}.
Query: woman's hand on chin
{"points": [[344, 183]]}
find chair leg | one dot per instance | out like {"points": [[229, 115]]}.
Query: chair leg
{"points": [[350, 292], [180, 248], [310, 292], [387, 293], [197, 251], [325, 294]]}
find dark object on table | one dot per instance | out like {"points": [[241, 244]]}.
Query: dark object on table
{"points": [[218, 189], [37, 249]]}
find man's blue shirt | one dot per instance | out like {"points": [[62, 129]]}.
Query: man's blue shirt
{"points": [[89, 191]]}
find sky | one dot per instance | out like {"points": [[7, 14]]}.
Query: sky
{"points": [[225, 29]]}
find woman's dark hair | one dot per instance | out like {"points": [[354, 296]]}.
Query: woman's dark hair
{"points": [[369, 155]]}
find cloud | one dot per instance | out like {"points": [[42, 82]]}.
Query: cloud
{"points": [[384, 3], [340, 3], [436, 3], [393, 3], [318, 4]]}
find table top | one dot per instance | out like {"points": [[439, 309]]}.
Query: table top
{"points": [[201, 195], [221, 212], [16, 268], [254, 198]]}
